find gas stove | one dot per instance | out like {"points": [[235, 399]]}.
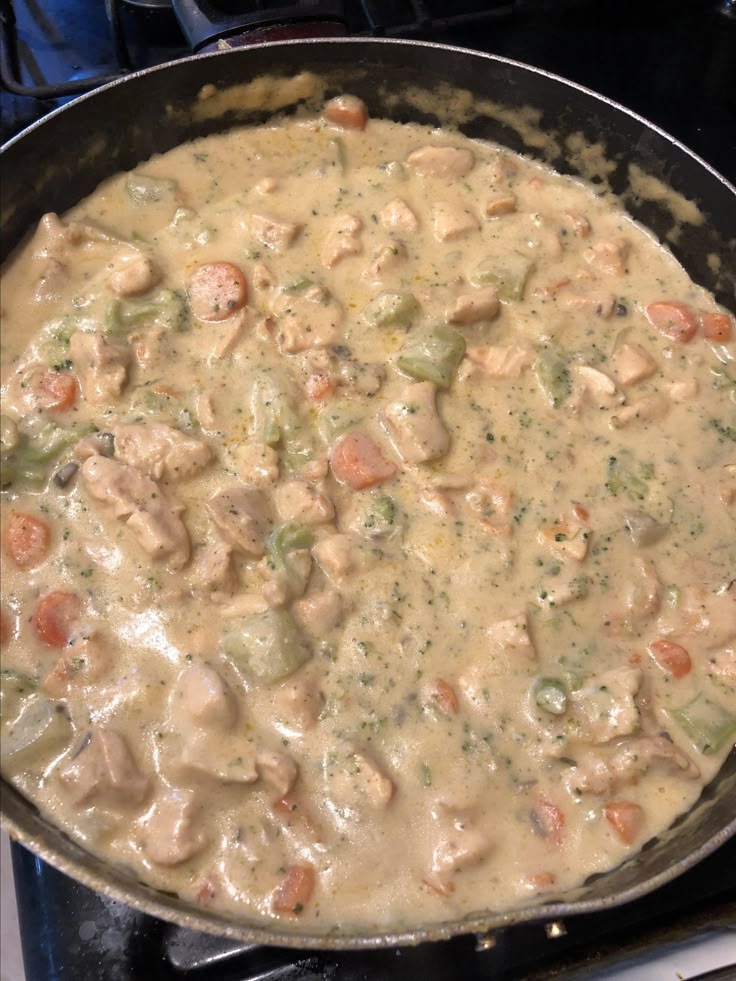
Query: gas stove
{"points": [[674, 62]]}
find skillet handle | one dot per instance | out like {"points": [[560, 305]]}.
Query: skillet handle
{"points": [[204, 25]]}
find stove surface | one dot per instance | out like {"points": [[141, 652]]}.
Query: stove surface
{"points": [[674, 62]]}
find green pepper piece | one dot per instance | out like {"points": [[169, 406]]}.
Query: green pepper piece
{"points": [[707, 724], [553, 377], [433, 356], [266, 648], [550, 695], [168, 309], [508, 274], [391, 309]]}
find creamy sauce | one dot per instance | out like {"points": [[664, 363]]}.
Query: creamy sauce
{"points": [[368, 525]]}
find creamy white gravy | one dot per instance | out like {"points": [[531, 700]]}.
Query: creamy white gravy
{"points": [[387, 573]]}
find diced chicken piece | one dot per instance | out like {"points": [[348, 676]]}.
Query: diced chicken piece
{"points": [[445, 162], [274, 233], [318, 613], [386, 262], [258, 463], [451, 221], [285, 585], [160, 451], [261, 277], [363, 379], [577, 223], [633, 757], [597, 302], [266, 185], [224, 336], [684, 391], [363, 782], [605, 706], [500, 204], [645, 410], [278, 770], [643, 594], [150, 346], [397, 216], [205, 410], [172, 828], [595, 387], [342, 240], [298, 702], [336, 555], [633, 364], [101, 366], [469, 308], [316, 469], [512, 636], [347, 112], [240, 513], [501, 362], [51, 279], [722, 665], [154, 521], [493, 505], [134, 274], [51, 238], [460, 844], [82, 662], [609, 257], [709, 614], [202, 697], [212, 568], [566, 539], [296, 500], [415, 426], [312, 319], [101, 770]]}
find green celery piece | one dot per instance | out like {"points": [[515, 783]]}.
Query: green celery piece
{"points": [[28, 462], [341, 159], [37, 728], [508, 274], [623, 479], [707, 724], [167, 308], [143, 189], [267, 647], [553, 376], [274, 418], [391, 309], [337, 418], [433, 356], [285, 539], [550, 695]]}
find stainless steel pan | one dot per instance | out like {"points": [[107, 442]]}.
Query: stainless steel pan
{"points": [[62, 158]]}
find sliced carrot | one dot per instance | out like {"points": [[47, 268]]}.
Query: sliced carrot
{"points": [[670, 657], [55, 617], [356, 460], [318, 387], [579, 223], [444, 697], [26, 539], [217, 290], [347, 111], [548, 819], [54, 390], [717, 326], [625, 818], [541, 880], [580, 513], [295, 890], [677, 321]]}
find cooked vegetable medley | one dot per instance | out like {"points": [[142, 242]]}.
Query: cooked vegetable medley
{"points": [[369, 549]]}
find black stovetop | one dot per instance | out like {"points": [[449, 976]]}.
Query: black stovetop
{"points": [[673, 61]]}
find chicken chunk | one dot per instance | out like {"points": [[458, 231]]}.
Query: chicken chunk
{"points": [[83, 661], [460, 843], [299, 501], [202, 699], [609, 257], [134, 274], [387, 261], [274, 233], [445, 162], [343, 239], [397, 216], [499, 362], [240, 513], [318, 613], [278, 770], [151, 518], [171, 829], [101, 366], [212, 568], [469, 308], [360, 782], [312, 319], [605, 706], [502, 204], [337, 556], [512, 637], [594, 387], [645, 410], [415, 426], [258, 463], [160, 451], [101, 770], [609, 767], [566, 539], [298, 702], [633, 364], [451, 221]]}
